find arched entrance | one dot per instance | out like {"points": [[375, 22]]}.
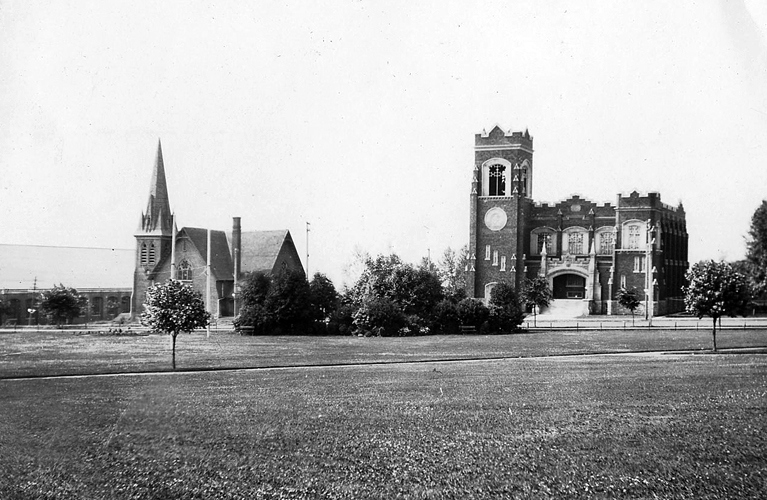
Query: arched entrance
{"points": [[569, 286]]}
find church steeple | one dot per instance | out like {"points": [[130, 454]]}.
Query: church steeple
{"points": [[158, 217]]}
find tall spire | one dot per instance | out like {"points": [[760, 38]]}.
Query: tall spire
{"points": [[158, 217]]}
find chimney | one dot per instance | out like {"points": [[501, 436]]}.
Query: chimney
{"points": [[236, 243]]}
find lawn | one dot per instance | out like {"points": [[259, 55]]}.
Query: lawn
{"points": [[54, 353], [615, 426]]}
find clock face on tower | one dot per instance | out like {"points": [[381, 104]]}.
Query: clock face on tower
{"points": [[495, 219]]}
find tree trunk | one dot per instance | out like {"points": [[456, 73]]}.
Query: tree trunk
{"points": [[632, 318], [174, 350], [715, 334], [535, 316]]}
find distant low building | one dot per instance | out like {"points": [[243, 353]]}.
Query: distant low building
{"points": [[232, 254], [102, 275], [587, 251]]}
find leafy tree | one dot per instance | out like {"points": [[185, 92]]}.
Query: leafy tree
{"points": [[629, 298], [414, 291], [61, 304], [278, 303], [506, 312], [173, 307], [445, 318], [716, 290], [472, 312], [380, 316], [452, 272], [324, 298], [536, 294], [756, 249], [289, 302]]}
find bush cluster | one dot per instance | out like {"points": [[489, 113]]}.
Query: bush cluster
{"points": [[391, 298]]}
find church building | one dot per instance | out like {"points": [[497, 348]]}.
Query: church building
{"points": [[586, 251], [162, 252]]}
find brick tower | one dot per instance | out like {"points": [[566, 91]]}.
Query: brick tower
{"points": [[153, 237], [501, 189]]}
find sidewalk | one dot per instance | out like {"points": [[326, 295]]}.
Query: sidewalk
{"points": [[545, 322]]}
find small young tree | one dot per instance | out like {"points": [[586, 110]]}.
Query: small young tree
{"points": [[535, 294], [324, 298], [629, 298], [173, 307], [61, 304], [716, 290]]}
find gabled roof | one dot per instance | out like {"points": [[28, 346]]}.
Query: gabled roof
{"points": [[72, 266], [261, 248], [221, 261]]}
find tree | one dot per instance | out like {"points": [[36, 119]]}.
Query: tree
{"points": [[280, 303], [113, 307], [61, 304], [173, 307], [629, 298], [536, 294], [472, 312], [452, 271], [324, 298], [715, 289], [756, 249], [414, 292], [506, 312]]}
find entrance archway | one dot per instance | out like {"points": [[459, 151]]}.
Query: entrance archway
{"points": [[569, 286]]}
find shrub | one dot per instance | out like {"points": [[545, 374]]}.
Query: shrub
{"points": [[472, 312], [379, 317], [445, 318]]}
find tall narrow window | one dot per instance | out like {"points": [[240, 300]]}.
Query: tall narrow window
{"points": [[606, 242], [497, 180], [544, 239], [633, 242], [487, 252], [185, 271], [623, 281], [144, 255], [151, 253], [639, 264], [495, 258], [503, 262]]}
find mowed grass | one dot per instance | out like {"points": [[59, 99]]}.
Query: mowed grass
{"points": [[617, 426], [64, 352]]}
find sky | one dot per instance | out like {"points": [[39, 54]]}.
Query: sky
{"points": [[359, 117]]}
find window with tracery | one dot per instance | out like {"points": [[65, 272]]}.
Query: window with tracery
{"points": [[544, 239], [634, 236], [575, 243], [606, 242], [497, 180], [185, 271]]}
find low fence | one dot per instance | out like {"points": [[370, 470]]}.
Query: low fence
{"points": [[657, 323]]}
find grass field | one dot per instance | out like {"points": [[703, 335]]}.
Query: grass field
{"points": [[613, 426], [54, 353]]}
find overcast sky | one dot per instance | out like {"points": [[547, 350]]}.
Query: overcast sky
{"points": [[360, 116]]}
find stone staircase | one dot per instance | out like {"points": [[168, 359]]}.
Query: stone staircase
{"points": [[565, 308]]}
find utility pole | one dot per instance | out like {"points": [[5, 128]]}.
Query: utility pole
{"points": [[173, 273], [307, 251], [207, 288]]}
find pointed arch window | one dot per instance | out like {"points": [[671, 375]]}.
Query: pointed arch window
{"points": [[152, 253], [185, 271]]}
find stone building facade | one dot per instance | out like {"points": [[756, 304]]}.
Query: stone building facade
{"points": [[587, 251]]}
